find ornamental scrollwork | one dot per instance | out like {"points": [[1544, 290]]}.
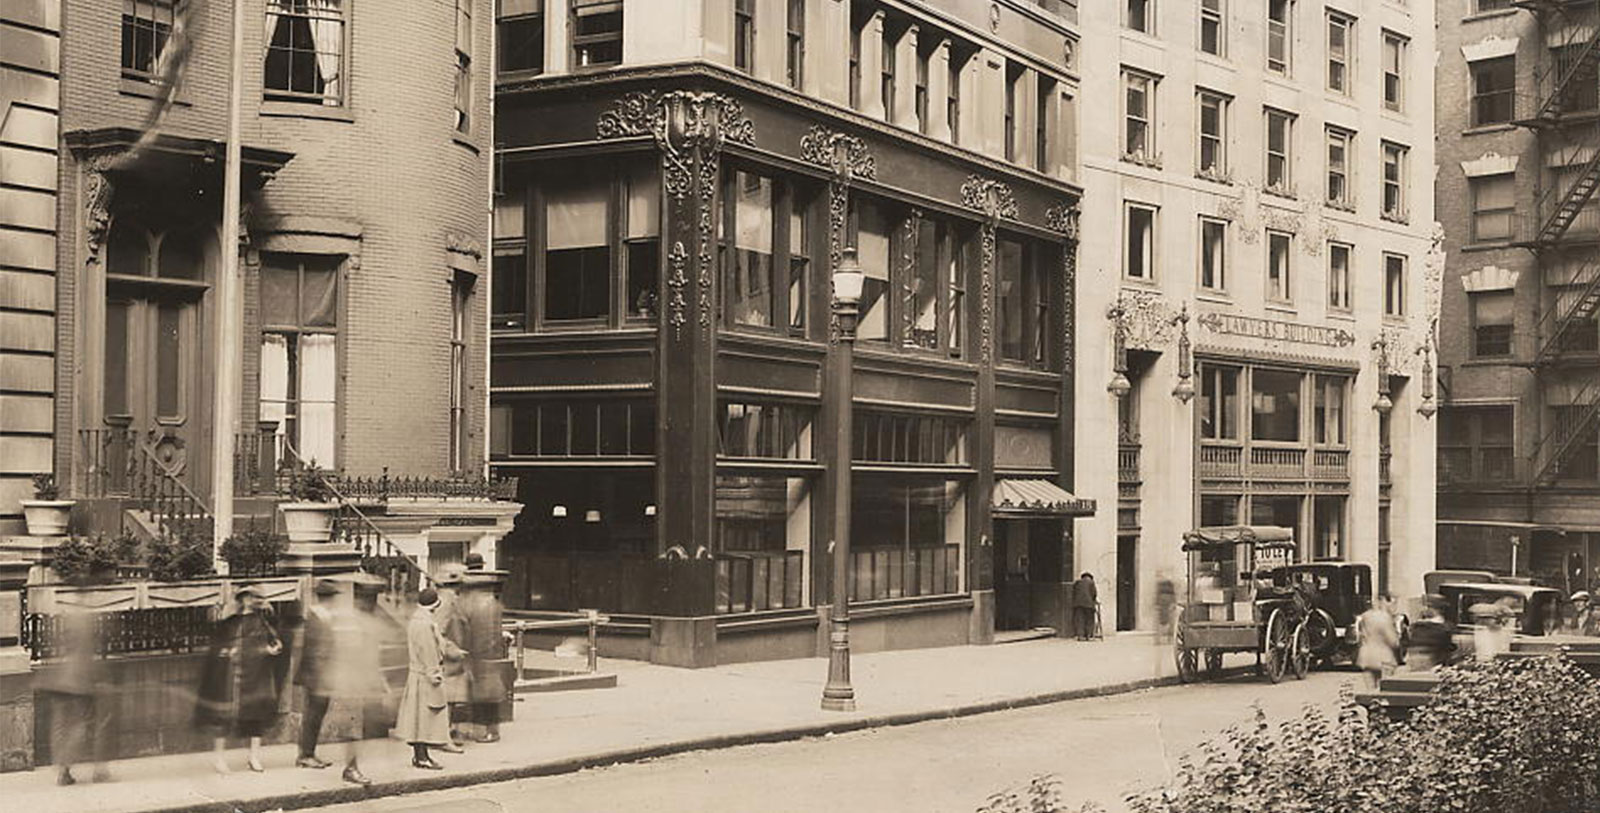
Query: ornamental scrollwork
{"points": [[97, 189], [838, 213], [845, 154], [991, 197], [1069, 284], [677, 280], [1063, 218], [1145, 319], [986, 292], [682, 122]]}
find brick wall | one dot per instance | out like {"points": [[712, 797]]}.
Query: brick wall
{"points": [[387, 163]]}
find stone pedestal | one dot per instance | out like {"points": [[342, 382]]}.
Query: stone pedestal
{"points": [[319, 559], [35, 551]]}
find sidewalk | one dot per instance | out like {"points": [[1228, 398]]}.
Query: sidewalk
{"points": [[653, 711]]}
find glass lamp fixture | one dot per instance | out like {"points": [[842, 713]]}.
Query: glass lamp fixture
{"points": [[848, 279]]}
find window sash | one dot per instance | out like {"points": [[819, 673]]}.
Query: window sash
{"points": [[293, 72], [1340, 31], [1278, 21], [1394, 285], [1394, 52], [1212, 139], [1140, 224], [1213, 254], [1339, 276], [1279, 261], [1279, 166], [1213, 33]]}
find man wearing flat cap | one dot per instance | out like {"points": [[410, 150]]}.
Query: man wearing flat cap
{"points": [[453, 627]]}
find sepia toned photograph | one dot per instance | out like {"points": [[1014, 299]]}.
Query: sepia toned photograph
{"points": [[715, 406]]}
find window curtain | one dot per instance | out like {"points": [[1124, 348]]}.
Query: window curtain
{"points": [[327, 34], [575, 215], [318, 372], [275, 380]]}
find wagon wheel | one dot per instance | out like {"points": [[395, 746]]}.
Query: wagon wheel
{"points": [[1322, 637], [1188, 668], [1213, 660], [1300, 651], [1276, 640]]}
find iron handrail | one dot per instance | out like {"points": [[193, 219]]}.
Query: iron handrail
{"points": [[391, 550]]}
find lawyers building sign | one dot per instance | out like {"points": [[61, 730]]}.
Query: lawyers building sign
{"points": [[1275, 330]]}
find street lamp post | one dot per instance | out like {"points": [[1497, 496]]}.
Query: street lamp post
{"points": [[847, 282]]}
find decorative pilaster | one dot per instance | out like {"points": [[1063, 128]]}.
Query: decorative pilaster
{"points": [[849, 159], [97, 189], [689, 129]]}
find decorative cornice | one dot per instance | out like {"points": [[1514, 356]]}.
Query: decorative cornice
{"points": [[97, 190], [991, 197], [461, 244], [845, 154], [683, 123]]}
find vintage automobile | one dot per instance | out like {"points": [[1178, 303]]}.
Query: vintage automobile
{"points": [[1232, 604], [1534, 609], [1341, 592]]}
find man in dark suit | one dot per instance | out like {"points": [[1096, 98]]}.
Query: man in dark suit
{"points": [[1085, 598], [316, 672]]}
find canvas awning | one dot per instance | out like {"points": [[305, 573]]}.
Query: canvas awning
{"points": [[1037, 498], [1264, 536]]}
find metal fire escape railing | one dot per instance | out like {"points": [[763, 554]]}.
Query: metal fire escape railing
{"points": [[379, 554], [1568, 430], [1564, 115]]}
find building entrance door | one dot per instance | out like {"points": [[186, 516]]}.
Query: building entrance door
{"points": [[151, 353], [1127, 581], [1029, 577]]}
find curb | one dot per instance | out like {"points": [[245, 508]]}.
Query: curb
{"points": [[347, 794]]}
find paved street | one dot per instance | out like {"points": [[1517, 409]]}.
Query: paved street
{"points": [[1099, 747]]}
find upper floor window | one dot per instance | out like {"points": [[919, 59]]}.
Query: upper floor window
{"points": [[1476, 443], [1394, 285], [1481, 6], [1494, 207], [1279, 34], [519, 35], [1015, 76], [1280, 254], [857, 29], [765, 266], [1339, 276], [1138, 111], [1213, 254], [589, 269], [1341, 37], [1140, 15], [1492, 318], [1339, 151], [596, 33], [1494, 88], [744, 35], [1023, 318], [1394, 181], [146, 25], [1327, 411], [305, 51], [508, 293], [1219, 402], [463, 66], [889, 65], [915, 291], [924, 56], [1213, 27], [1394, 65], [1043, 114], [460, 329], [1280, 158], [952, 101], [1139, 224], [794, 55], [1212, 159], [299, 351]]}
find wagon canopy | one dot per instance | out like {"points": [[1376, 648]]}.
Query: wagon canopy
{"points": [[1263, 536]]}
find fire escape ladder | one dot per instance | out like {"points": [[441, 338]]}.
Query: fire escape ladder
{"points": [[1569, 203], [1568, 430], [1550, 106], [1579, 310]]}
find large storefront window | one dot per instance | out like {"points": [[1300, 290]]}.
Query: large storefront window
{"points": [[1329, 410], [775, 431], [1275, 405], [1219, 402], [763, 527], [1282, 511], [885, 437], [582, 428], [907, 534]]}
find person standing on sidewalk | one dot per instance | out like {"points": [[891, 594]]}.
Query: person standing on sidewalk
{"points": [[457, 677], [424, 717], [317, 672], [239, 682], [75, 689], [480, 608], [1379, 641], [1085, 598]]}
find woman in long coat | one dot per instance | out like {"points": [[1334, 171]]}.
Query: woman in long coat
{"points": [[239, 682], [424, 717]]}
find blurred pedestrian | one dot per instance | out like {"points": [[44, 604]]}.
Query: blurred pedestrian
{"points": [[1166, 604], [457, 677], [317, 672], [239, 681], [75, 689], [480, 609], [1431, 643], [361, 646], [1379, 640], [424, 717], [1493, 633], [1085, 603]]}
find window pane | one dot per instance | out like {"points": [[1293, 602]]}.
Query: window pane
{"points": [[1008, 261], [280, 294], [116, 358], [553, 430], [1141, 241], [1275, 405], [644, 202], [318, 383], [319, 300], [169, 358], [922, 293], [577, 284], [750, 285], [644, 270], [1213, 234], [509, 220], [509, 290], [275, 379], [575, 214], [872, 247]]}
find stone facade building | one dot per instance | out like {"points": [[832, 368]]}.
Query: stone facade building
{"points": [[1259, 282]]}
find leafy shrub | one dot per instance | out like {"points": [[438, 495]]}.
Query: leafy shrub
{"points": [[180, 556], [1041, 794], [86, 559], [45, 488], [309, 485], [253, 552], [1511, 736]]}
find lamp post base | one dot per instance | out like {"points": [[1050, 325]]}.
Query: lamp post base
{"points": [[837, 693], [845, 703]]}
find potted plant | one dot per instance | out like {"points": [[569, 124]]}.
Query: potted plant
{"points": [[46, 514], [253, 552], [86, 560], [308, 516], [180, 556]]}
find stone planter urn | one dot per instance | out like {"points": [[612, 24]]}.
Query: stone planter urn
{"points": [[47, 517], [308, 521]]}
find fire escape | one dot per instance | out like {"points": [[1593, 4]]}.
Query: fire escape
{"points": [[1563, 228]]}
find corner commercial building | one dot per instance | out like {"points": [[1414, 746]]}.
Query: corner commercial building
{"points": [[1264, 177], [677, 182]]}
